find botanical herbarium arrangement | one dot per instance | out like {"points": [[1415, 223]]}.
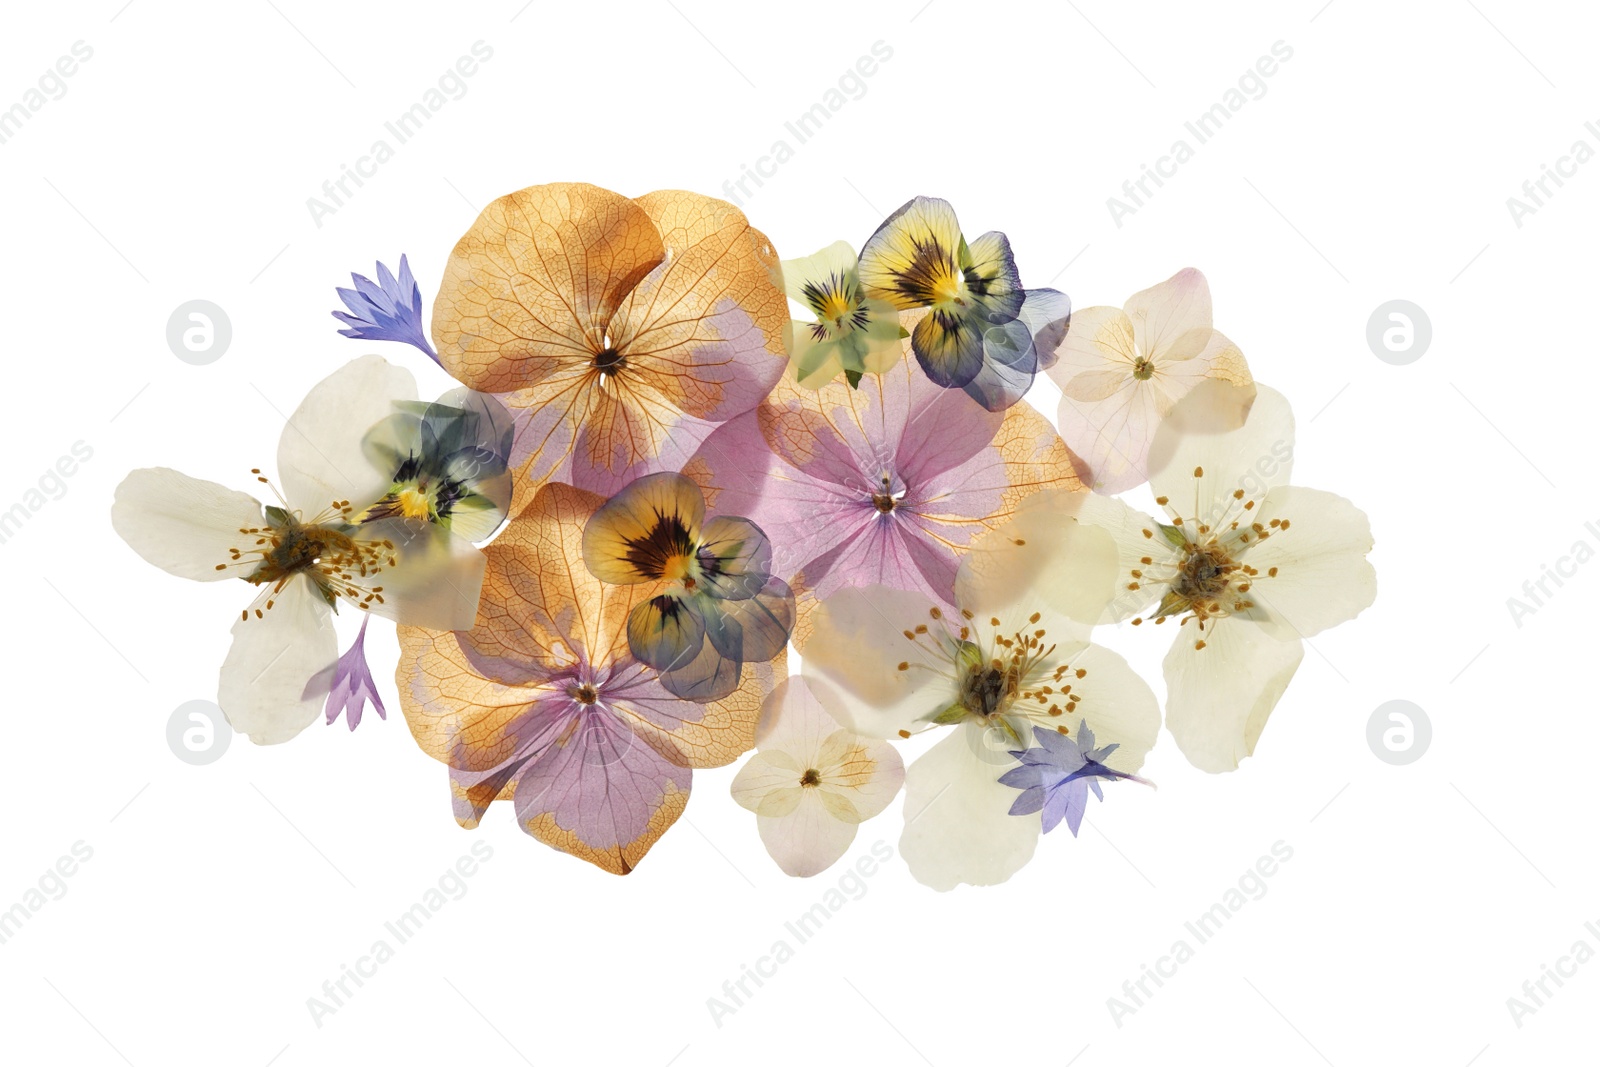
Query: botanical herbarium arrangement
{"points": [[655, 480]]}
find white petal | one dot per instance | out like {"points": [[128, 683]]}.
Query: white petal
{"points": [[1126, 527], [276, 676], [1172, 321], [184, 525], [1116, 702], [436, 580], [808, 840], [1219, 697], [958, 822], [1323, 575], [1042, 561], [320, 455], [855, 649], [1253, 458]]}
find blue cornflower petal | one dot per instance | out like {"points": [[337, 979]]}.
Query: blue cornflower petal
{"points": [[1057, 773], [389, 309]]}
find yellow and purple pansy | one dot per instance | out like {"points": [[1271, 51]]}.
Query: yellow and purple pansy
{"points": [[713, 603], [975, 327]]}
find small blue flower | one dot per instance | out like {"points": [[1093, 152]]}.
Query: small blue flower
{"points": [[353, 687], [1056, 775], [390, 310]]}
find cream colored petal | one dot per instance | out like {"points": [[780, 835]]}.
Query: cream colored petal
{"points": [[834, 261], [808, 840], [864, 775], [276, 675], [1248, 460], [1134, 534], [1315, 573], [1172, 321], [958, 823], [1042, 561], [436, 580], [1219, 696], [856, 648], [767, 785], [320, 455], [183, 525]]}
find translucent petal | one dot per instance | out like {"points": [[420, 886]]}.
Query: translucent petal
{"points": [[183, 525], [275, 678], [321, 457], [1219, 697]]}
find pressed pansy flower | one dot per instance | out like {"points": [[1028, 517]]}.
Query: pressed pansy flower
{"points": [[352, 688], [448, 460], [1121, 370], [305, 557], [542, 703], [1014, 655], [850, 334], [1057, 773], [621, 331], [712, 604], [388, 310], [886, 484], [811, 783], [1243, 566], [969, 336]]}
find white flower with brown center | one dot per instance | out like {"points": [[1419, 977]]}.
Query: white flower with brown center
{"points": [[811, 782], [1015, 657], [308, 556], [1243, 567]]}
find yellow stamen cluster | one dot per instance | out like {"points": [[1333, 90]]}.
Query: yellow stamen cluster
{"points": [[1207, 579]]}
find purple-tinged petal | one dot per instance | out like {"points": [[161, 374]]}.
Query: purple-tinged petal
{"points": [[389, 309], [352, 686]]}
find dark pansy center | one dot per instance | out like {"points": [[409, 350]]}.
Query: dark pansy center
{"points": [[666, 551]]}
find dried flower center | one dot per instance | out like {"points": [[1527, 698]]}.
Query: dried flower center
{"points": [[1208, 579], [811, 778], [608, 361], [585, 694], [998, 671], [1143, 369], [327, 550]]}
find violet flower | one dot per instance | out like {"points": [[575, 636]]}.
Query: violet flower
{"points": [[388, 310], [1057, 773], [352, 684]]}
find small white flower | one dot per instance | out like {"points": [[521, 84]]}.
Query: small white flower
{"points": [[306, 556], [1121, 370], [1244, 566], [1017, 657], [810, 782]]}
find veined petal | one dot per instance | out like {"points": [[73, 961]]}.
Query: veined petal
{"points": [[735, 558], [184, 525], [601, 794], [704, 330], [645, 531], [1172, 321], [949, 346], [532, 287], [807, 840], [911, 260], [276, 675], [806, 279], [665, 632], [755, 628], [1315, 573], [321, 458], [992, 278], [959, 826], [1219, 696]]}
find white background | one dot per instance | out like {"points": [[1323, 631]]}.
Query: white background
{"points": [[1376, 166]]}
